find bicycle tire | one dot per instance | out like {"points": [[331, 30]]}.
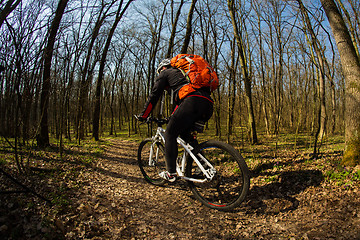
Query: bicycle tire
{"points": [[151, 173], [229, 187]]}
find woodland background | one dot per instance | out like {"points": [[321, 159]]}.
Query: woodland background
{"points": [[73, 74], [77, 69]]}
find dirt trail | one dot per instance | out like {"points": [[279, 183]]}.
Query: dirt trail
{"points": [[118, 204], [289, 198]]}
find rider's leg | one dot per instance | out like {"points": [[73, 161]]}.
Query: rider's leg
{"points": [[188, 112]]}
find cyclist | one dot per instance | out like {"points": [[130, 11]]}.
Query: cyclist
{"points": [[197, 106]]}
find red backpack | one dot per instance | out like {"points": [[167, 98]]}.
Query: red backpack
{"points": [[197, 70]]}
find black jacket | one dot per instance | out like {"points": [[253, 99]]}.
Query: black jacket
{"points": [[170, 79]]}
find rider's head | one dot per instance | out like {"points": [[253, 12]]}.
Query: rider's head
{"points": [[163, 65]]}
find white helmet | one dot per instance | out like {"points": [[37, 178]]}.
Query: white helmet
{"points": [[163, 63]]}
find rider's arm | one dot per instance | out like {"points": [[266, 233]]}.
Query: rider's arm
{"points": [[161, 83]]}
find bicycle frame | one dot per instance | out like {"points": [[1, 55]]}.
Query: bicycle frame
{"points": [[180, 166]]}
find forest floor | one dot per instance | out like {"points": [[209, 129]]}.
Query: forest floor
{"points": [[101, 195]]}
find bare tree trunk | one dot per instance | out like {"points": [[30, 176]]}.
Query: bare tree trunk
{"points": [[185, 46], [330, 70], [112, 98], [278, 69], [232, 91], [351, 30], [43, 137], [173, 30], [86, 74], [246, 75], [351, 68], [322, 117], [217, 95], [262, 72], [96, 116], [9, 7], [354, 6]]}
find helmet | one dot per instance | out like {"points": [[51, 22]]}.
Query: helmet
{"points": [[163, 63]]}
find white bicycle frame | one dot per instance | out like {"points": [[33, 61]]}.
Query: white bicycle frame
{"points": [[209, 173]]}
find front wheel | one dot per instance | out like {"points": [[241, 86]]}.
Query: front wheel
{"points": [[231, 182], [151, 160]]}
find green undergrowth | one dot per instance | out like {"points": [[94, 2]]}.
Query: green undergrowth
{"points": [[344, 176]]}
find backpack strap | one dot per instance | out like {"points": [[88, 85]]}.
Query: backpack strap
{"points": [[185, 74], [190, 62]]}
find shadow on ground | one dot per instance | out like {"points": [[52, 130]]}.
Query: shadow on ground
{"points": [[279, 195]]}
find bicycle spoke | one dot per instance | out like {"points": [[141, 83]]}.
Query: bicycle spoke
{"points": [[151, 160], [229, 186], [223, 187]]}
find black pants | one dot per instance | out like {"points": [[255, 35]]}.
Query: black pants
{"points": [[191, 109]]}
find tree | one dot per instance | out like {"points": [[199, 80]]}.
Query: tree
{"points": [[245, 73], [257, 9], [269, 61], [173, 30], [86, 73], [43, 138], [232, 90], [351, 70], [96, 116], [352, 31], [8, 8], [185, 46], [320, 60]]}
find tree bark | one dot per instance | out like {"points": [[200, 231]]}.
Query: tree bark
{"points": [[96, 116], [262, 71], [9, 7], [232, 92], [173, 31], [185, 46], [352, 31], [245, 74], [43, 137], [86, 73], [351, 69], [322, 117]]}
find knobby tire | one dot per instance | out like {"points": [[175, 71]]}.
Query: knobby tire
{"points": [[228, 189], [151, 173]]}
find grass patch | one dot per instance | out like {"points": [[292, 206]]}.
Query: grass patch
{"points": [[270, 179], [343, 176], [2, 159]]}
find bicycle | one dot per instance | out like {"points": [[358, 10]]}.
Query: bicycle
{"points": [[216, 172]]}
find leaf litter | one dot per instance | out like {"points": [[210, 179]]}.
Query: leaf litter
{"points": [[291, 197]]}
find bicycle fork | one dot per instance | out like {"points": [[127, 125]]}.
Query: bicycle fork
{"points": [[153, 160], [158, 137]]}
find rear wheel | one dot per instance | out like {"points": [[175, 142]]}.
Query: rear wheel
{"points": [[231, 182], [151, 160]]}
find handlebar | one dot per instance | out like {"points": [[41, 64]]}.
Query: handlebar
{"points": [[158, 121]]}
